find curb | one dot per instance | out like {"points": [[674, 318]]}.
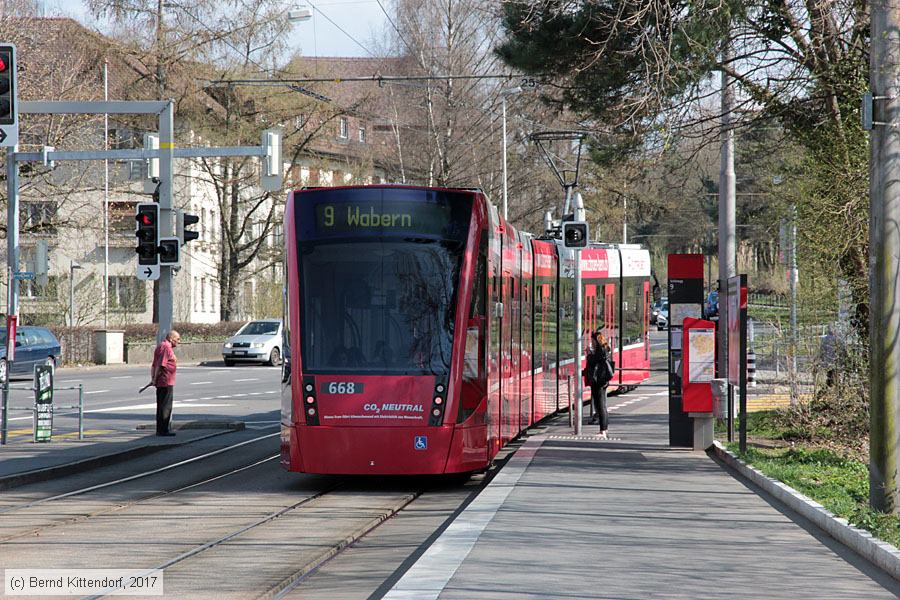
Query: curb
{"points": [[880, 553], [38, 475]]}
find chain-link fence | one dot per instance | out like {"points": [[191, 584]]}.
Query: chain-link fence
{"points": [[825, 355]]}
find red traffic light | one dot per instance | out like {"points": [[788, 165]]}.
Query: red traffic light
{"points": [[145, 219], [2, 64]]}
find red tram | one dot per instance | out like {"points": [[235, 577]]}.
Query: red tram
{"points": [[424, 332]]}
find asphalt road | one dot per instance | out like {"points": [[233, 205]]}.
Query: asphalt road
{"points": [[248, 393]]}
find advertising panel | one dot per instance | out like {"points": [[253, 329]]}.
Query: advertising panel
{"points": [[43, 403]]}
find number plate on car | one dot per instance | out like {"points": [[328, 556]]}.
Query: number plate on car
{"points": [[241, 352], [341, 387]]}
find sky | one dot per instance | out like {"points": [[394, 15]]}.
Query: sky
{"points": [[321, 36]]}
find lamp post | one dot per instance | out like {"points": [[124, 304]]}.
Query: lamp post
{"points": [[504, 94], [299, 14], [72, 266]]}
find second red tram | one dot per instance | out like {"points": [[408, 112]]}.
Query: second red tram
{"points": [[424, 332]]}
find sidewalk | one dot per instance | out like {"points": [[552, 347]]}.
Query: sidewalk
{"points": [[631, 518]]}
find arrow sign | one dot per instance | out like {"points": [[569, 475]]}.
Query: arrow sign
{"points": [[2, 136], [148, 272]]}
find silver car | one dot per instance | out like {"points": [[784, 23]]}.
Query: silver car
{"points": [[257, 341]]}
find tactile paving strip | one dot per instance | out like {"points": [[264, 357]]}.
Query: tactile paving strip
{"points": [[584, 438]]}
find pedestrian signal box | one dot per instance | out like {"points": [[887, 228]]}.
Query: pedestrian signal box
{"points": [[170, 252]]}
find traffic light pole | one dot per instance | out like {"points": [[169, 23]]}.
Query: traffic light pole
{"points": [[12, 265], [268, 151], [166, 215]]}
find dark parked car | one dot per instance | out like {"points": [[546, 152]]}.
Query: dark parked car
{"points": [[34, 346]]}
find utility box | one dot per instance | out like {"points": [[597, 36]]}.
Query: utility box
{"points": [[109, 347]]}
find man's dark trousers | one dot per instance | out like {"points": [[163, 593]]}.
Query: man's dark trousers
{"points": [[164, 396]]}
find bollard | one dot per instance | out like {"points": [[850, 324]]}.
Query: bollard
{"points": [[751, 368], [80, 412]]}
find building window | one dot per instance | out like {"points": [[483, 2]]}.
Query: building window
{"points": [[278, 235], [202, 294], [39, 217], [362, 135], [127, 293], [344, 128]]}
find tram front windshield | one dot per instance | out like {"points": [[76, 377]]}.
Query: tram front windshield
{"points": [[379, 305]]}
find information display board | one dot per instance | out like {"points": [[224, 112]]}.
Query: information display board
{"points": [[699, 341], [685, 293], [43, 403]]}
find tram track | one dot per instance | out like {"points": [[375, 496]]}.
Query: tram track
{"points": [[137, 501], [297, 573]]}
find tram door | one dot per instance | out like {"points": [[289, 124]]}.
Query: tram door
{"points": [[645, 321], [609, 318]]}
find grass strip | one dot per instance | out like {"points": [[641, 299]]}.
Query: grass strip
{"points": [[839, 484]]}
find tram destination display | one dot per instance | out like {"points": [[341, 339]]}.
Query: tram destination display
{"points": [[378, 217]]}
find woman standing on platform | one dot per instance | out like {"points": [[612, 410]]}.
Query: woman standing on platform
{"points": [[599, 374]]}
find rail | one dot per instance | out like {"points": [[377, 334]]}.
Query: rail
{"points": [[53, 408]]}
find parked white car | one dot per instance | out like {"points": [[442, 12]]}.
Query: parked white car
{"points": [[662, 319], [257, 341]]}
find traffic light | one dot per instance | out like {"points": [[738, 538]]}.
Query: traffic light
{"points": [[147, 233], [184, 220], [169, 252], [575, 234], [8, 106]]}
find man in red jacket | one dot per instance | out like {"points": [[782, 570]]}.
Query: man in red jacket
{"points": [[162, 375]]}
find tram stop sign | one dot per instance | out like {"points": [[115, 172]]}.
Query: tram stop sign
{"points": [[43, 403]]}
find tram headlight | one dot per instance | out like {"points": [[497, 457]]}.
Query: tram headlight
{"points": [[438, 400], [311, 411], [436, 412], [310, 399]]}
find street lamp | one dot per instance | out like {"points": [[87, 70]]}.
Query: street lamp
{"points": [[504, 94], [72, 266], [299, 14]]}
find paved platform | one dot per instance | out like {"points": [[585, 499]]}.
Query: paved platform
{"points": [[23, 461], [576, 517]]}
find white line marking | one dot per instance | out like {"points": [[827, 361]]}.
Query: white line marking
{"points": [[95, 392], [250, 379], [122, 377], [177, 403], [227, 396], [428, 577], [200, 382]]}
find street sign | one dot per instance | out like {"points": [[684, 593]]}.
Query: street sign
{"points": [[148, 272], [21, 275], [43, 403]]}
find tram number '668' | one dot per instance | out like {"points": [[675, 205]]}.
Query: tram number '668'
{"points": [[343, 387]]}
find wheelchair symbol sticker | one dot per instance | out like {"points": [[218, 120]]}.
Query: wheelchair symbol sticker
{"points": [[421, 442]]}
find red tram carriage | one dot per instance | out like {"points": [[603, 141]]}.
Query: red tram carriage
{"points": [[424, 332]]}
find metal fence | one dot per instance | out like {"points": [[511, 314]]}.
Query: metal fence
{"points": [[820, 359]]}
